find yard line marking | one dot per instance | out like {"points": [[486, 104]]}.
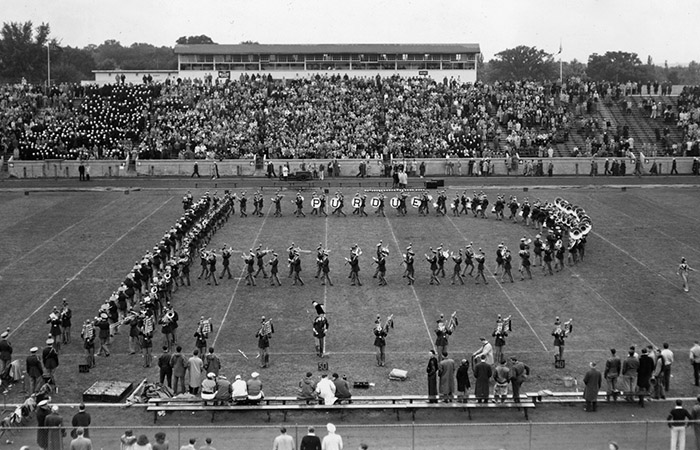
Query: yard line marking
{"points": [[510, 299], [52, 238], [415, 295], [654, 229], [612, 244], [604, 300], [71, 279], [238, 283], [325, 286]]}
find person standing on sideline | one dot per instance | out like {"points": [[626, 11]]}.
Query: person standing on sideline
{"points": [[695, 361], [283, 441], [207, 445], [195, 171], [519, 372], [80, 442], [683, 270], [695, 416], [446, 371], [165, 370], [482, 376], [678, 421], [82, 419], [667, 356], [310, 441], [592, 381], [613, 367], [332, 441], [56, 432], [463, 383], [432, 371]]}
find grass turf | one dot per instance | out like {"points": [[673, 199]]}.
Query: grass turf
{"points": [[79, 245]]}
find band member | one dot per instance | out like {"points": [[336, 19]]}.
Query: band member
{"points": [[480, 261], [507, 265], [408, 260], [319, 259], [274, 263], [256, 206], [500, 333], [380, 208], [363, 204], [204, 329], [354, 261], [402, 204], [315, 204], [433, 260], [259, 255], [226, 253], [524, 264], [88, 335], [49, 356], [211, 262], [320, 329], [379, 253], [147, 340], [242, 202], [183, 264], [133, 320], [296, 267], [264, 335], [559, 255], [290, 257], [203, 261], [66, 316], [499, 206], [325, 269], [338, 211], [683, 271], [468, 260], [457, 271], [299, 202], [167, 321], [380, 334], [55, 331], [249, 260], [547, 259], [560, 333], [322, 205], [187, 201], [381, 266], [441, 334], [277, 200], [356, 204], [537, 250], [441, 258], [102, 324], [464, 202], [499, 259]]}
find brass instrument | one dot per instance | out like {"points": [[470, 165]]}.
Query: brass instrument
{"points": [[266, 328], [53, 317], [452, 323], [167, 318], [503, 325]]}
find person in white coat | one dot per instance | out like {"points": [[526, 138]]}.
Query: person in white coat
{"points": [[326, 390]]}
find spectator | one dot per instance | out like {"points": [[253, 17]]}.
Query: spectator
{"points": [[128, 440], [223, 391], [161, 443], [142, 443], [80, 442], [592, 382], [194, 369], [307, 388], [342, 388], [209, 387], [179, 366], [283, 441], [56, 432], [255, 388], [208, 445], [82, 419], [678, 421], [310, 441], [325, 389], [239, 390], [190, 445], [667, 356], [332, 441], [42, 434], [463, 383]]}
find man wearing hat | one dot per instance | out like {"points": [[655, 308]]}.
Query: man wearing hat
{"points": [[320, 328], [35, 370], [49, 356], [239, 390], [592, 382], [254, 388], [42, 435], [332, 441], [5, 351]]}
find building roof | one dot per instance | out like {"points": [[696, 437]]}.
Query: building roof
{"points": [[248, 49]]}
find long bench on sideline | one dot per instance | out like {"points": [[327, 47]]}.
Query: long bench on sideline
{"points": [[409, 403], [577, 397]]}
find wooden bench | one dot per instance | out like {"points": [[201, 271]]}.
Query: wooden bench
{"points": [[409, 403], [577, 397]]}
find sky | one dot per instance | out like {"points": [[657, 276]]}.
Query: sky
{"points": [[662, 30]]}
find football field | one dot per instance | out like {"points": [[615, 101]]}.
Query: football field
{"points": [[79, 245]]}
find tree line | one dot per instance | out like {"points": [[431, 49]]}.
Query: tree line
{"points": [[25, 51]]}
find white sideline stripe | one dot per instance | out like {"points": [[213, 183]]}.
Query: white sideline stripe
{"points": [[238, 283], [415, 295], [52, 238], [71, 279], [325, 286], [510, 299], [676, 286]]}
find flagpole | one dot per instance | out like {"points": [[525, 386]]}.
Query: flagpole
{"points": [[561, 78]]}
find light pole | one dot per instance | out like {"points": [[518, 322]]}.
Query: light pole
{"points": [[48, 67]]}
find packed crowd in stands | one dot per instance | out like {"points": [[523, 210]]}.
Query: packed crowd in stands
{"points": [[318, 117]]}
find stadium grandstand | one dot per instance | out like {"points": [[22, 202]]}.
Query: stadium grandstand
{"points": [[302, 60]]}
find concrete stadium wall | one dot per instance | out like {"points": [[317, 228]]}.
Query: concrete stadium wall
{"points": [[245, 168]]}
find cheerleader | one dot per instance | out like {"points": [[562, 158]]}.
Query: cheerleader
{"points": [[683, 270]]}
